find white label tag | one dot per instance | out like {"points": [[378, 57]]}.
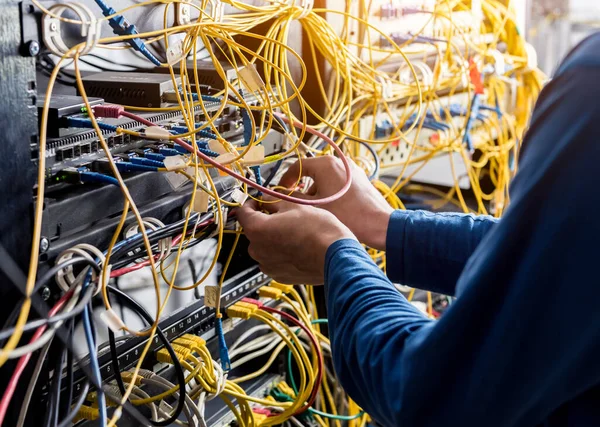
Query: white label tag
{"points": [[226, 158], [211, 293], [217, 147], [239, 196], [255, 156], [173, 163], [176, 180], [201, 177], [250, 78], [200, 202], [156, 132]]}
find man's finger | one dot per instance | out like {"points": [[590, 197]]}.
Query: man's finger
{"points": [[274, 205], [306, 167], [250, 217]]}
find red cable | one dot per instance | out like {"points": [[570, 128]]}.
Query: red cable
{"points": [[317, 348], [139, 266], [311, 202], [24, 360]]}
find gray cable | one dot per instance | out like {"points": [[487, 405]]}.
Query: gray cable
{"points": [[32, 383]]}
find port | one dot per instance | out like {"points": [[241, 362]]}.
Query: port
{"points": [[67, 153], [77, 151], [111, 142], [225, 127], [94, 146], [85, 149]]}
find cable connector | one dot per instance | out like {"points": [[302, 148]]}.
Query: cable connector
{"points": [[190, 344], [223, 351], [253, 301], [239, 312], [182, 353], [142, 374], [270, 292], [108, 111], [286, 289], [76, 122], [146, 162], [87, 413], [122, 27], [200, 342], [132, 167]]}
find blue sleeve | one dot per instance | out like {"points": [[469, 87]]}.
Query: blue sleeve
{"points": [[520, 345], [429, 251]]}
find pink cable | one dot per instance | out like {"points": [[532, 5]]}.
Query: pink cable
{"points": [[265, 190], [24, 360]]}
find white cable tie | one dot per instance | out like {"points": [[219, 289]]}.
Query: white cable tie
{"points": [[52, 31], [239, 196], [386, 87], [307, 6], [175, 53], [112, 320], [218, 11]]}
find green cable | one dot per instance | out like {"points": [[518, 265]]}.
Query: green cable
{"points": [[312, 410]]}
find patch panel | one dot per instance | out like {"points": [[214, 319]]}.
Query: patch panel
{"points": [[195, 318], [77, 146]]}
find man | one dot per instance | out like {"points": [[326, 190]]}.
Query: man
{"points": [[521, 344]]}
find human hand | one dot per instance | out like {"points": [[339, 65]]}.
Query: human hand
{"points": [[362, 209], [290, 244]]}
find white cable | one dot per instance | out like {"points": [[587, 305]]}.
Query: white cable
{"points": [[256, 354], [65, 277], [46, 336]]}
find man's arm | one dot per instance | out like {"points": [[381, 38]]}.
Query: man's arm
{"points": [[522, 338], [429, 251]]}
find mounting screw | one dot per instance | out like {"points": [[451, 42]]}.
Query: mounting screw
{"points": [[46, 293], [33, 48], [44, 244]]}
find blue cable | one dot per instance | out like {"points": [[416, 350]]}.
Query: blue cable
{"points": [[168, 152], [223, 351], [132, 167], [93, 354], [122, 27], [147, 162], [96, 177], [208, 98], [155, 156], [75, 122], [202, 132]]}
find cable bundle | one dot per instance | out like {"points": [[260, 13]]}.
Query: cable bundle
{"points": [[378, 95]]}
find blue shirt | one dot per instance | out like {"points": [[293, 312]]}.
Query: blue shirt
{"points": [[521, 344]]}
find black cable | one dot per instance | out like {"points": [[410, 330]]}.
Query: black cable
{"points": [[273, 172], [54, 398], [41, 308], [34, 324], [67, 421], [114, 361], [42, 281], [137, 308], [12, 318]]}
